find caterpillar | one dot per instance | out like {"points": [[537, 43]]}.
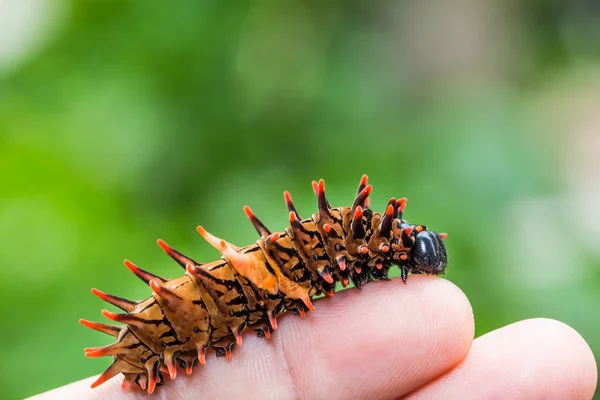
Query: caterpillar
{"points": [[249, 287]]}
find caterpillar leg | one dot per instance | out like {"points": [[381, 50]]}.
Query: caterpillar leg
{"points": [[264, 332], [225, 350]]}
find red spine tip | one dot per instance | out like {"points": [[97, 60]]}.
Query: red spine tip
{"points": [[321, 186], [293, 217], [151, 385], [267, 333], [99, 382], [273, 321], [131, 266], [201, 357], [190, 268], [443, 235], [98, 293], [327, 228], [111, 316], [315, 187], [172, 370], [363, 250], [358, 213], [272, 238], [308, 303], [287, 197], [249, 212], [154, 285], [238, 338], [401, 204], [364, 180], [164, 246], [327, 277], [389, 210], [368, 189], [408, 230], [88, 324]]}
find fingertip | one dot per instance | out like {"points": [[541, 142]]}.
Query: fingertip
{"points": [[452, 304], [535, 358], [449, 315], [387, 338], [569, 358]]}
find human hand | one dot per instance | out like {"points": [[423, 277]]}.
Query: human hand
{"points": [[387, 341]]}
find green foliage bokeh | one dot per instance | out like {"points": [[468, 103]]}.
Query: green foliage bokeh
{"points": [[140, 120]]}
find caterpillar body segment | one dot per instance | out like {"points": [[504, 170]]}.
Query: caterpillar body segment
{"points": [[249, 287]]}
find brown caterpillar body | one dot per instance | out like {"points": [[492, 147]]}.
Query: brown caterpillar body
{"points": [[213, 303]]}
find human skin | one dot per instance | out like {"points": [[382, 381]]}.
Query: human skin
{"points": [[386, 341]]}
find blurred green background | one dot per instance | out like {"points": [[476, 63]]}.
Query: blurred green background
{"points": [[125, 121]]}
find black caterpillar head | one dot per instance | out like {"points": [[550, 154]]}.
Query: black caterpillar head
{"points": [[428, 254]]}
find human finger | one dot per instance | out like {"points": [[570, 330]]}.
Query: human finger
{"points": [[533, 359], [380, 342]]}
